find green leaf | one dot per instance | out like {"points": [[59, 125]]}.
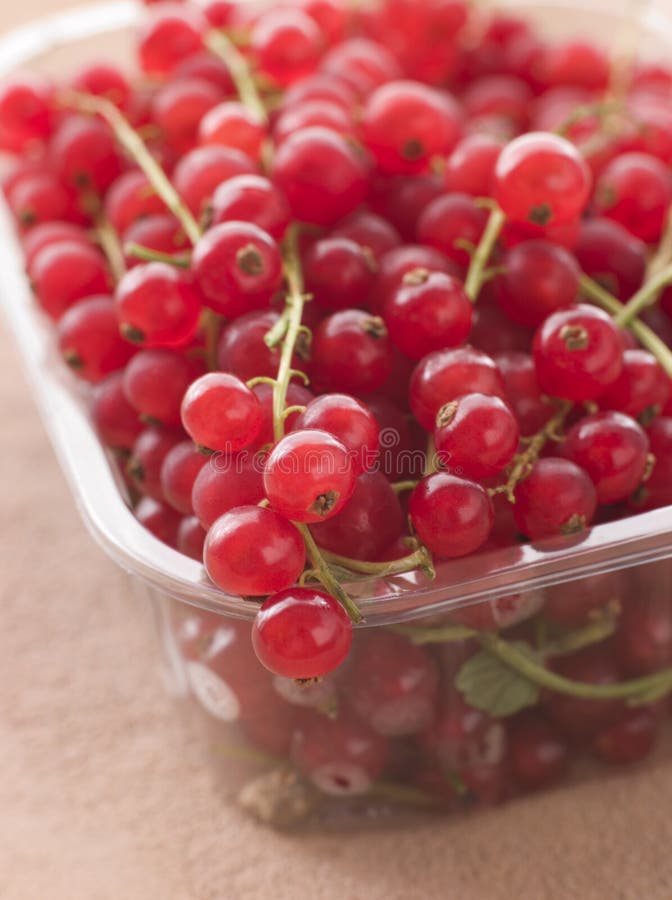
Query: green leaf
{"points": [[490, 685]]}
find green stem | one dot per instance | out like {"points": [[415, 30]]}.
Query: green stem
{"points": [[149, 255], [133, 144], [594, 633], [646, 337], [401, 487], [109, 242], [403, 794], [295, 301], [638, 688], [326, 576], [419, 559], [224, 48], [476, 276], [644, 298]]}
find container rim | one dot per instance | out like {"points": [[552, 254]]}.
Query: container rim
{"points": [[86, 464]]}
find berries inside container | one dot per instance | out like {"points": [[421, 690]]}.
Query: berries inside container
{"points": [[370, 308]]}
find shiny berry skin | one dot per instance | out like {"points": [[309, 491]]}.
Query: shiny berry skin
{"points": [[314, 113], [470, 167], [286, 44], [613, 449], [48, 233], [237, 267], [451, 516], [158, 518], [191, 538], [254, 199], [301, 633], [206, 67], [297, 395], [362, 64], [339, 273], [117, 423], [322, 176], [219, 412], [543, 179], [252, 552], [200, 172], [130, 198], [309, 476], [523, 395], [170, 36], [161, 233], [158, 306], [443, 376], [64, 273], [348, 420], [26, 114], [557, 497], [227, 482], [579, 718], [392, 684], [578, 353], [368, 525], [398, 262], [103, 80], [644, 635], [539, 754], [342, 757], [85, 154], [38, 198], [178, 109], [539, 278], [616, 259], [575, 63], [178, 474], [319, 87], [351, 353], [642, 389], [149, 451], [429, 311], [629, 739], [374, 234], [448, 220], [233, 125], [476, 436], [89, 339], [657, 491], [635, 190], [155, 382], [406, 123]]}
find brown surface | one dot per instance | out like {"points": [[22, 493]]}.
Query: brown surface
{"points": [[104, 795]]}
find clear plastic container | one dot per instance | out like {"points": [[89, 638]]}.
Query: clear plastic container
{"points": [[391, 733]]}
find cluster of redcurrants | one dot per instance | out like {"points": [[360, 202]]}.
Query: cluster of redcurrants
{"points": [[398, 164]]}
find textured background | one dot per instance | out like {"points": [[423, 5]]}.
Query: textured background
{"points": [[103, 795]]}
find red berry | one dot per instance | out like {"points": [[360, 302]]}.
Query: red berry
{"points": [[463, 738], [351, 352], [251, 198], [406, 123], [178, 474], [158, 306], [635, 190], [322, 176], [578, 353], [148, 453], [539, 754], [309, 476], [200, 172], [155, 381], [612, 256], [348, 420], [103, 80], [233, 125], [251, 551], [442, 376], [117, 423], [574, 63], [543, 179], [342, 757], [471, 165], [613, 450], [178, 108], [628, 740], [452, 517], [130, 198], [172, 34], [641, 390], [64, 273], [579, 717], [49, 233], [428, 312], [557, 497], [374, 234], [89, 339], [243, 352], [160, 233], [25, 112], [158, 518], [238, 267], [368, 525], [449, 222], [539, 278], [191, 538], [644, 636], [398, 262], [286, 44], [38, 198], [301, 633], [476, 436], [314, 113], [85, 154], [227, 482], [339, 273], [505, 97], [531, 407], [220, 412], [572, 608]]}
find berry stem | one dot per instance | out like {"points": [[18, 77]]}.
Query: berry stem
{"points": [[593, 633], [326, 576], [476, 276], [446, 634], [108, 239], [646, 337], [644, 298], [224, 48], [419, 559], [148, 255], [526, 460], [131, 141], [638, 689], [293, 314], [400, 487]]}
